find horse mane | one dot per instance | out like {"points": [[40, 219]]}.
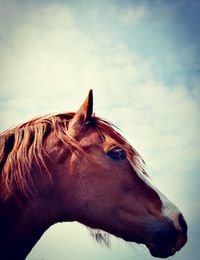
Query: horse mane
{"points": [[20, 145]]}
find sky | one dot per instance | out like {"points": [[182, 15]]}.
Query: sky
{"points": [[141, 58]]}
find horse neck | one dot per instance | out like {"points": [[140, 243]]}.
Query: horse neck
{"points": [[23, 221], [21, 226]]}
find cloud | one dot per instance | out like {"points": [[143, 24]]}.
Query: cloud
{"points": [[133, 14], [49, 57]]}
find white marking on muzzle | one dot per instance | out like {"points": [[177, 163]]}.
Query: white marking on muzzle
{"points": [[169, 210]]}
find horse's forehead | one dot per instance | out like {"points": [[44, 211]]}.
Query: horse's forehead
{"points": [[91, 137], [94, 137]]}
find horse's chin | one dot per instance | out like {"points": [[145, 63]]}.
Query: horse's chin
{"points": [[160, 252], [163, 251]]}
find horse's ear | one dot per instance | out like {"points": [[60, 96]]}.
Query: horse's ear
{"points": [[82, 117]]}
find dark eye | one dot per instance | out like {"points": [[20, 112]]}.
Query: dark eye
{"points": [[117, 154]]}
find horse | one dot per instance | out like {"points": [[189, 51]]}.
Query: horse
{"points": [[78, 167]]}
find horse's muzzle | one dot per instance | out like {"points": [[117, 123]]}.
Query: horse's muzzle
{"points": [[166, 239]]}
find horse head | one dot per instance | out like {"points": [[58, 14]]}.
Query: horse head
{"points": [[106, 187]]}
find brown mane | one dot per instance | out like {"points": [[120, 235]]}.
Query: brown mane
{"points": [[19, 145]]}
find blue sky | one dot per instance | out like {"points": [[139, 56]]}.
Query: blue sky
{"points": [[142, 60]]}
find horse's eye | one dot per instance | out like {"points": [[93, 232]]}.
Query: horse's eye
{"points": [[117, 154]]}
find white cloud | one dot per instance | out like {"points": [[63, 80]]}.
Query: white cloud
{"points": [[49, 57], [196, 91], [133, 14]]}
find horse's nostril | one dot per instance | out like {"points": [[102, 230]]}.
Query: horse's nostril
{"points": [[182, 224]]}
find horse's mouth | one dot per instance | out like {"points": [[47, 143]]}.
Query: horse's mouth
{"points": [[161, 250], [164, 251]]}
